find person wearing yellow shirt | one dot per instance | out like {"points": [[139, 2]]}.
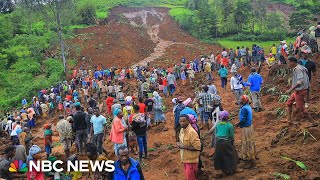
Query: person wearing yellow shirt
{"points": [[271, 60], [273, 50]]}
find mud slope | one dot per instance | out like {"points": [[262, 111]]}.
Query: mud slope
{"points": [[135, 35]]}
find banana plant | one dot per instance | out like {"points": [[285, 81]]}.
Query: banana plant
{"points": [[298, 163], [283, 98], [305, 133], [280, 112]]}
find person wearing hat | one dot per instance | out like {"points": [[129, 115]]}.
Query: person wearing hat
{"points": [[255, 81], [248, 149], [65, 132], [311, 67], [226, 156], [300, 86]]}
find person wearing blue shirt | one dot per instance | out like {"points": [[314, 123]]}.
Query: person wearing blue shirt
{"points": [[223, 73], [98, 129], [126, 167], [255, 81], [248, 150], [177, 112]]}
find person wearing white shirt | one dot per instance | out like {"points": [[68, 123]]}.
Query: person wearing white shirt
{"points": [[236, 86], [14, 131], [224, 53], [234, 68]]}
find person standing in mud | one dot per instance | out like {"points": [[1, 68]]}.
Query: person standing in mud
{"points": [[248, 149], [254, 82], [190, 147], [311, 67], [300, 85]]}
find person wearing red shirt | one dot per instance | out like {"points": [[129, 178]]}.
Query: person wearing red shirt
{"points": [[225, 62], [141, 105], [165, 88], [68, 97], [109, 102]]}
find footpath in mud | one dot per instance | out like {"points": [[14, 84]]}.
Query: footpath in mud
{"points": [[135, 36]]}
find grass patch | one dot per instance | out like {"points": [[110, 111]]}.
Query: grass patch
{"points": [[102, 14], [265, 44]]}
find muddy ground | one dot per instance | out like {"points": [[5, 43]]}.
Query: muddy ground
{"points": [[126, 40]]}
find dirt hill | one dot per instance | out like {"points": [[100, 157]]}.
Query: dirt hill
{"points": [[134, 35]]}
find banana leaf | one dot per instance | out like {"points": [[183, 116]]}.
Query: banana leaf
{"points": [[284, 176], [298, 163]]}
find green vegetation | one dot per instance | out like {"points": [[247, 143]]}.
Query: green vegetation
{"points": [[264, 44], [244, 20]]}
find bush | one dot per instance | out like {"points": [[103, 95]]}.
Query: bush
{"points": [[87, 14], [266, 36]]}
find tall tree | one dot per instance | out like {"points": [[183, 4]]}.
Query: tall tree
{"points": [[242, 13], [207, 20], [299, 19], [274, 22], [52, 12], [259, 11]]}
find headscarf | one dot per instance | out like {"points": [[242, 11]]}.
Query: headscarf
{"points": [[193, 122], [33, 150], [187, 101], [156, 96], [47, 126], [245, 98], [116, 112], [77, 104], [223, 114]]}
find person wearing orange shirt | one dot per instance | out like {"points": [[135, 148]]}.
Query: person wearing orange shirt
{"points": [[225, 62], [218, 61], [141, 105], [109, 102]]}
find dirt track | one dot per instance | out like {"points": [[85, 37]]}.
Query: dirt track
{"points": [[124, 44]]}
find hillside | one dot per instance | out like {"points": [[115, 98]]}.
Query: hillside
{"points": [[139, 35]]}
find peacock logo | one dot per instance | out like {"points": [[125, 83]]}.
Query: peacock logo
{"points": [[18, 166]]}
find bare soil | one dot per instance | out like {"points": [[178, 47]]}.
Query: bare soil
{"points": [[125, 44]]}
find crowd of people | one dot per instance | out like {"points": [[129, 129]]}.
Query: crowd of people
{"points": [[120, 105]]}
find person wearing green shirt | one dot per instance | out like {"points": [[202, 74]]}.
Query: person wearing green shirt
{"points": [[223, 73], [226, 156]]}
